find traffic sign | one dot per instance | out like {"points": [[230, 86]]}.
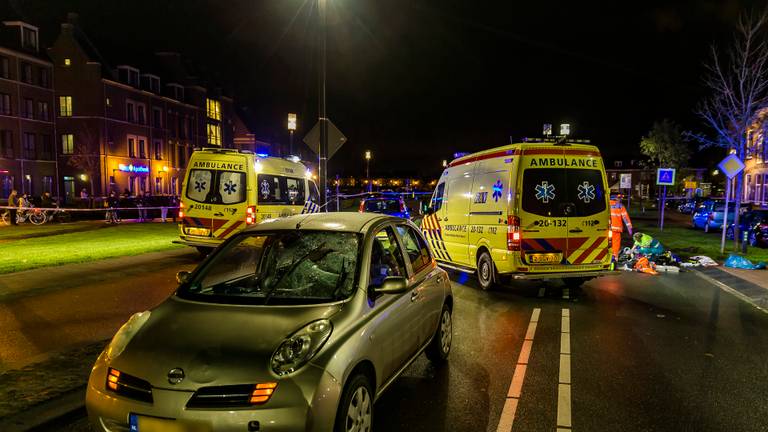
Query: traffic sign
{"points": [[731, 166], [626, 181], [547, 129], [665, 177], [690, 185], [335, 138]]}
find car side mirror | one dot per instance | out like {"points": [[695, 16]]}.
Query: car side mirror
{"points": [[182, 277], [392, 285]]}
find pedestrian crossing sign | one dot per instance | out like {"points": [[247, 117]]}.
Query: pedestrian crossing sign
{"points": [[665, 177]]}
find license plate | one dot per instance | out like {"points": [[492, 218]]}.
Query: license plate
{"points": [[544, 258], [203, 232], [139, 423]]}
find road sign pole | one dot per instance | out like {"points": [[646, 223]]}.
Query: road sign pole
{"points": [[725, 215], [663, 205], [322, 168]]}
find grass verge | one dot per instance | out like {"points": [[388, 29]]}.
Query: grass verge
{"points": [[109, 242]]}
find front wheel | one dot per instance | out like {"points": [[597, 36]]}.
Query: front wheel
{"points": [[440, 347], [37, 218], [486, 271], [356, 408]]}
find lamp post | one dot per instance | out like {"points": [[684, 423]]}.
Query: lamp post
{"points": [[368, 168], [291, 130], [322, 166]]}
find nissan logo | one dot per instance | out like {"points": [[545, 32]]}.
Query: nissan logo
{"points": [[176, 375]]}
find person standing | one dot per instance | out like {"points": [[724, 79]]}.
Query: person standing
{"points": [[174, 207], [619, 218], [113, 203], [140, 206], [12, 198]]}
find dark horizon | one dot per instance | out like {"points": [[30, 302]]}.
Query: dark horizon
{"points": [[416, 81]]}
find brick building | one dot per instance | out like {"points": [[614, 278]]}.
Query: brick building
{"points": [[129, 126], [27, 128], [756, 163]]}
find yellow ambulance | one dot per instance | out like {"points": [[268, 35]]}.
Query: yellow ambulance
{"points": [[225, 190], [533, 210]]}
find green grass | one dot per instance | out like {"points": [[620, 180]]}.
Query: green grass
{"points": [[109, 242], [8, 232], [687, 242]]}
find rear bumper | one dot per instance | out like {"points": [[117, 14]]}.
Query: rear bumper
{"points": [[193, 242], [561, 275]]}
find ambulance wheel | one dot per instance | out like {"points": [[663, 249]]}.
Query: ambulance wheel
{"points": [[486, 271]]}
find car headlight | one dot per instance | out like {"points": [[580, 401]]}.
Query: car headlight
{"points": [[126, 333], [299, 348]]}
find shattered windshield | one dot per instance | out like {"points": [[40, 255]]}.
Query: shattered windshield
{"points": [[284, 267]]}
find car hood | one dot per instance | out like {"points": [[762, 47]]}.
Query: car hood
{"points": [[215, 344]]}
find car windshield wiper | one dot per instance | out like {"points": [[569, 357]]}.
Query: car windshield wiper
{"points": [[340, 280], [290, 270]]}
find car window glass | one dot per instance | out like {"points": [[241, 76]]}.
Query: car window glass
{"points": [[437, 200], [386, 258], [415, 247], [314, 193]]}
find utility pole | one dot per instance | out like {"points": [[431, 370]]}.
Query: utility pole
{"points": [[322, 166]]}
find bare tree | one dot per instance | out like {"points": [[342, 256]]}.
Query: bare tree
{"points": [[738, 83], [85, 159]]}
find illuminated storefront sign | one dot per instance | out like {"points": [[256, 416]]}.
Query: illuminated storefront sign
{"points": [[133, 168]]}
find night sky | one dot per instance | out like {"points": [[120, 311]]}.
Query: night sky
{"points": [[415, 81]]}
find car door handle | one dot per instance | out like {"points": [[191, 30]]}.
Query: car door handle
{"points": [[414, 295], [575, 230]]}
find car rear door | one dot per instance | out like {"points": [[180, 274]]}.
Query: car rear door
{"points": [[589, 217]]}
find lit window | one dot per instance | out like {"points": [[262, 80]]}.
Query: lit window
{"points": [[214, 134], [67, 143], [67, 62], [214, 109], [65, 106]]}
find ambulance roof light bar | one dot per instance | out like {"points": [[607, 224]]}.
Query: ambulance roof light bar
{"points": [[562, 140]]}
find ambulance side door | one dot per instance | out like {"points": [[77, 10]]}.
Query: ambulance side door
{"points": [[487, 215], [455, 218]]}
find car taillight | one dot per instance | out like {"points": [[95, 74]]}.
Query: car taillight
{"points": [[250, 215], [113, 376], [181, 206], [362, 206], [262, 392], [513, 233]]}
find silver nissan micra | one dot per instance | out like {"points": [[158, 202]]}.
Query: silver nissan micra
{"points": [[295, 324]]}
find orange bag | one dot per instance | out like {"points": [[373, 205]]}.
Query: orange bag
{"points": [[645, 266]]}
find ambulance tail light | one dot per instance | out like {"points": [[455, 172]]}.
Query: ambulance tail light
{"points": [[610, 237], [181, 209], [250, 215], [514, 235], [362, 206]]}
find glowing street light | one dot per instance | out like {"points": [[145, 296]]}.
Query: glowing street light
{"points": [[565, 129], [368, 168], [445, 163], [291, 130]]}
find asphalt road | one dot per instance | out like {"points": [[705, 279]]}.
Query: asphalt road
{"points": [[643, 353]]}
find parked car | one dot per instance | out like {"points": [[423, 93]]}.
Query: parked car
{"points": [[689, 205], [755, 223], [712, 212], [389, 204], [297, 323]]}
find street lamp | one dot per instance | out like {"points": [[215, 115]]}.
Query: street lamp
{"points": [[367, 168], [445, 163], [565, 129], [322, 166], [291, 130]]}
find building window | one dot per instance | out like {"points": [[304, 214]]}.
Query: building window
{"points": [[130, 112], [26, 73], [131, 146], [157, 117], [69, 188], [141, 110], [4, 67], [67, 144], [65, 106], [42, 110], [142, 147], [182, 156], [132, 185], [158, 149], [214, 134], [158, 185], [29, 146], [5, 104], [29, 38], [29, 110], [143, 184], [176, 91], [108, 102], [174, 185], [44, 78], [46, 147], [47, 183], [67, 62], [6, 144], [214, 109], [27, 186]]}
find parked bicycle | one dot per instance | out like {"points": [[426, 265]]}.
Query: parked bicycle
{"points": [[33, 215]]}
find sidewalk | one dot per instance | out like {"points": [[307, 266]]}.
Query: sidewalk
{"points": [[748, 285]]}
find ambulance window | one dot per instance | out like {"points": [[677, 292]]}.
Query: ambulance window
{"points": [[437, 199], [586, 191], [269, 190], [231, 187], [199, 184], [314, 194], [544, 191], [295, 191], [415, 247]]}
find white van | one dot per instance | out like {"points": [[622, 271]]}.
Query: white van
{"points": [[531, 210]]}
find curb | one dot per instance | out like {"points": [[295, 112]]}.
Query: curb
{"points": [[46, 412], [742, 293]]}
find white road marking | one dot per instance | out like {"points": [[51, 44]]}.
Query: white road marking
{"points": [[542, 291], [566, 293], [516, 386], [564, 385]]}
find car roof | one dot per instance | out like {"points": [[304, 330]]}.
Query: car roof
{"points": [[332, 221]]}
